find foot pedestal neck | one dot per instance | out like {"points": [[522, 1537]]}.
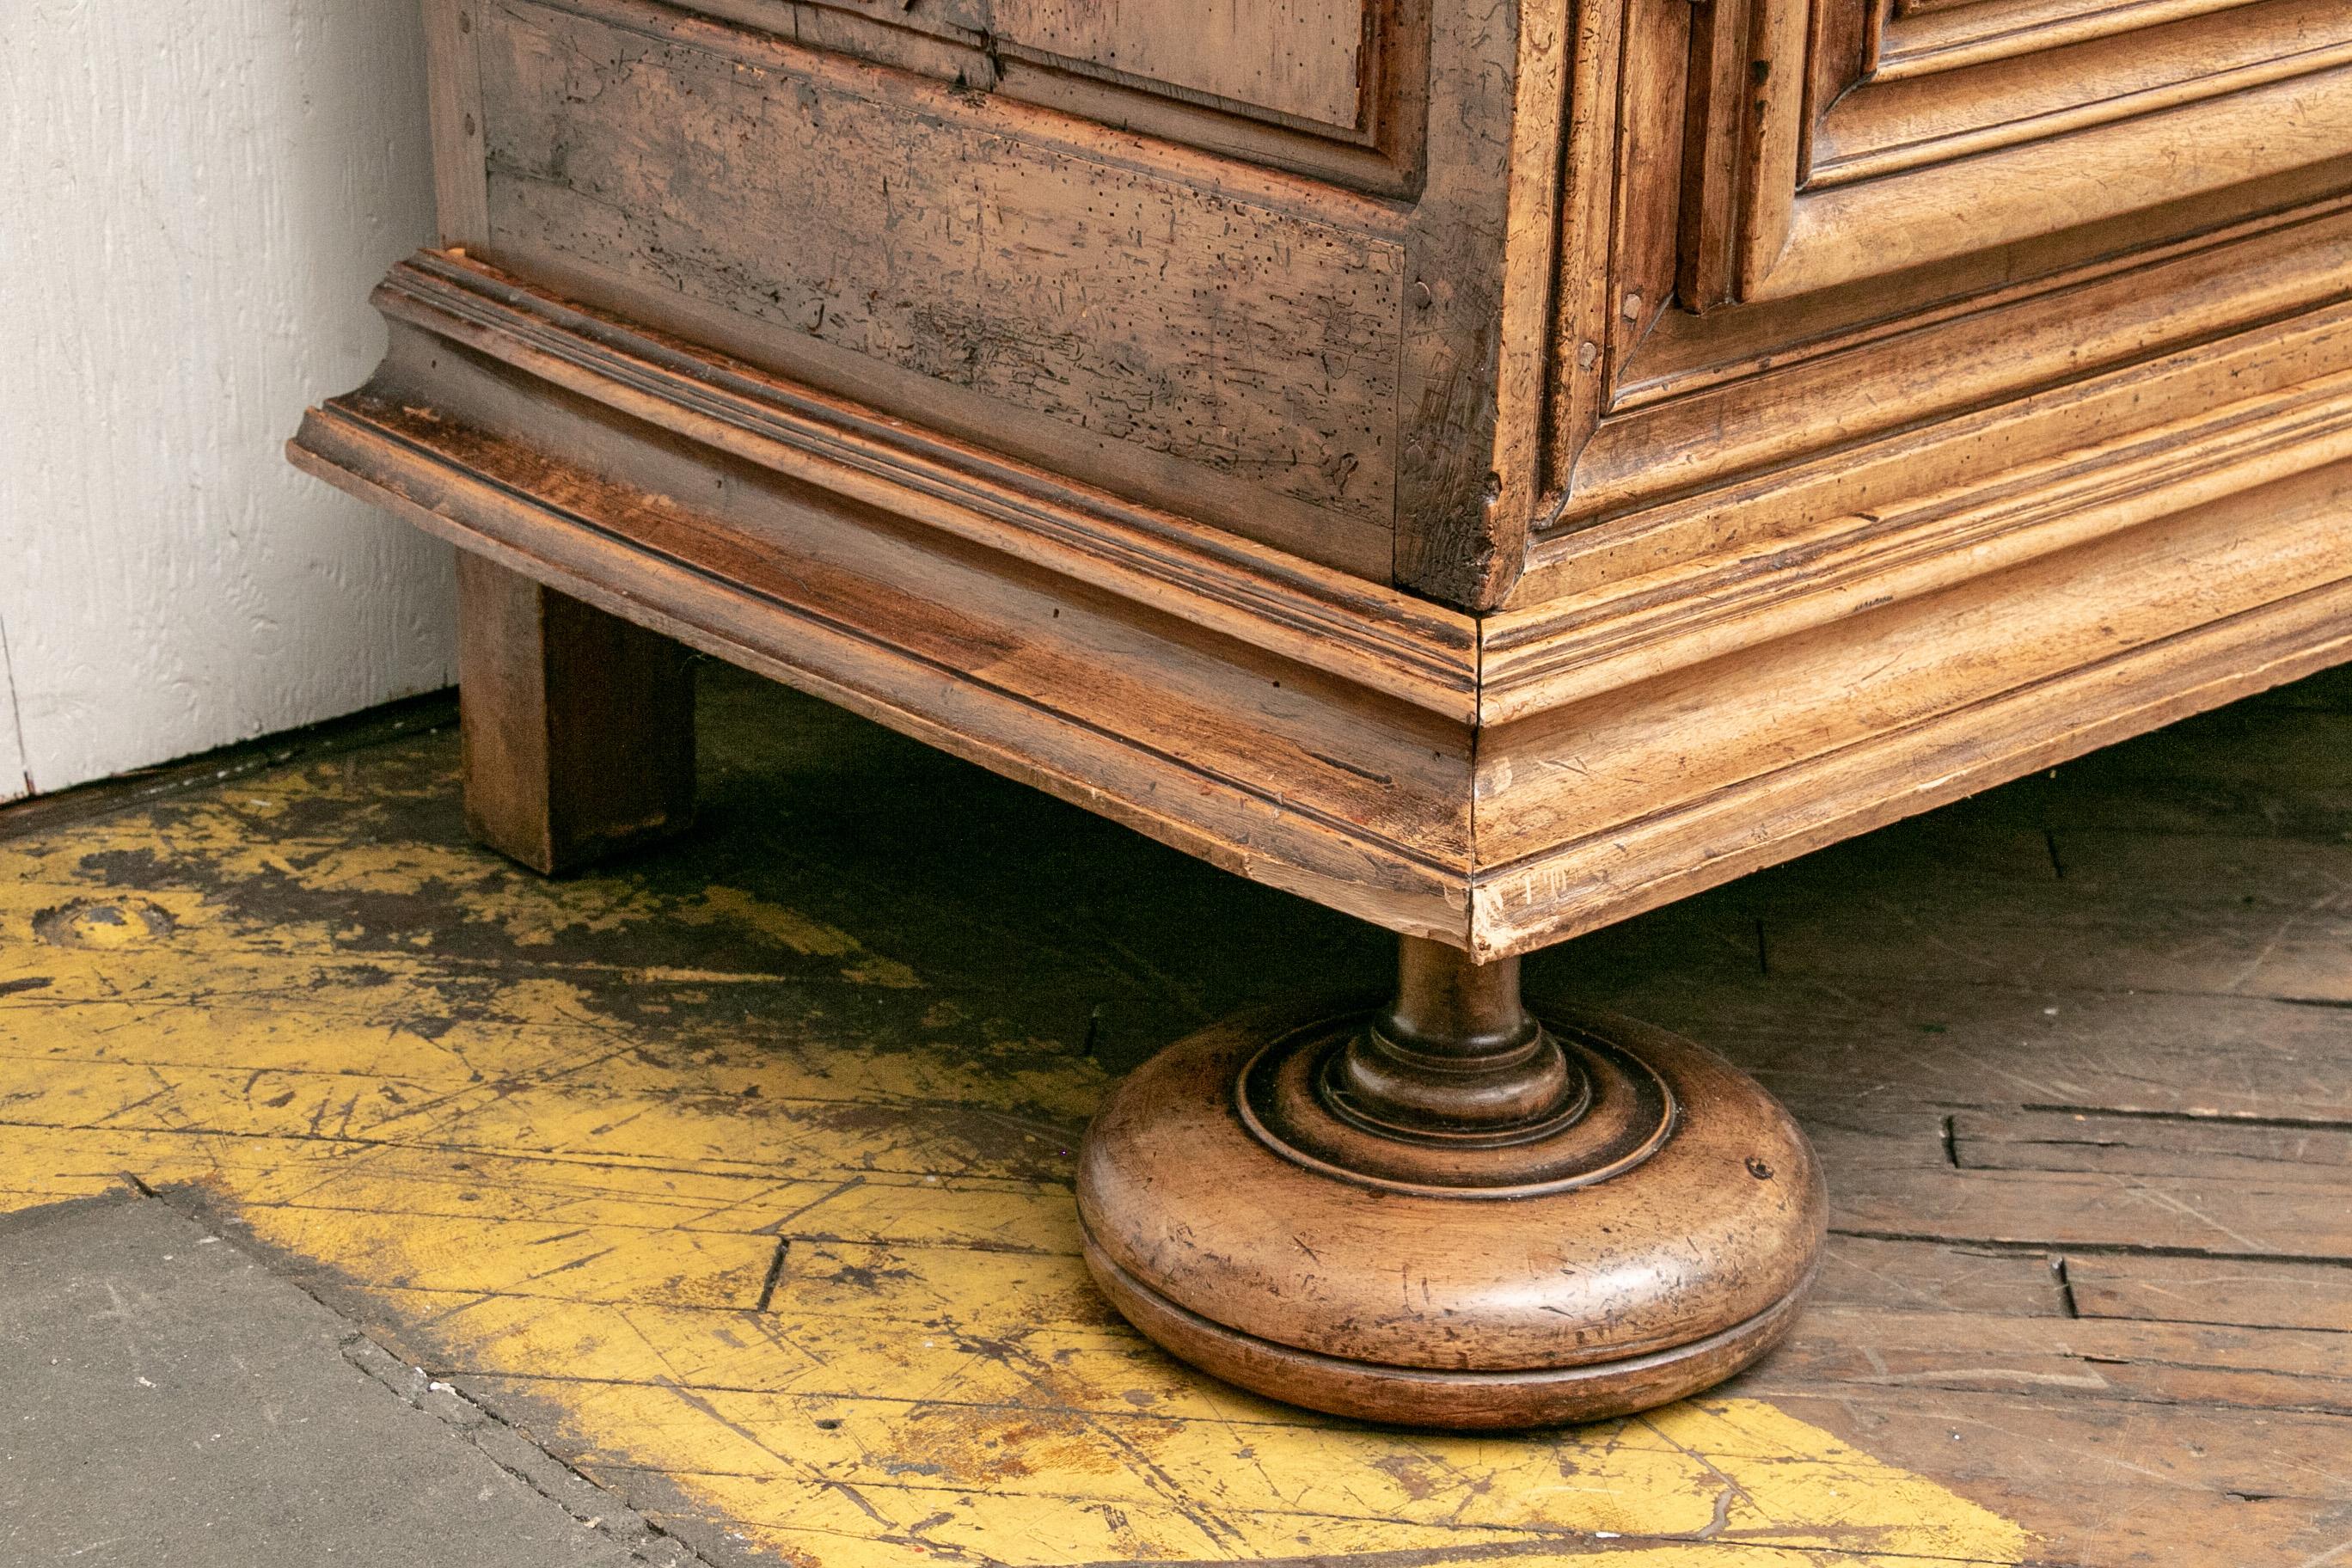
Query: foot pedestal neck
{"points": [[1455, 1054], [1448, 1210]]}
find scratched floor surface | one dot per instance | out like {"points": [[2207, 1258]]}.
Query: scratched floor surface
{"points": [[739, 1173]]}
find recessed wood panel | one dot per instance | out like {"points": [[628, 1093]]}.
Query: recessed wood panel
{"points": [[1303, 58], [1825, 142], [1971, 153], [1861, 191], [1333, 88], [1300, 59], [2208, 161], [1922, 118]]}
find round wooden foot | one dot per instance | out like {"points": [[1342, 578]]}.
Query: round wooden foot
{"points": [[1448, 1212]]}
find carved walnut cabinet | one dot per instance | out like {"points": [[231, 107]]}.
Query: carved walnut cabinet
{"points": [[1489, 468]]}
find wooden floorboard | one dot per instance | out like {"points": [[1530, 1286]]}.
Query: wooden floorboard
{"points": [[739, 1171]]}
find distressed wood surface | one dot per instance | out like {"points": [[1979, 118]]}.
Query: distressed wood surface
{"points": [[966, 246], [1299, 57], [460, 166], [1168, 736], [740, 1174], [1326, 88], [1484, 305]]}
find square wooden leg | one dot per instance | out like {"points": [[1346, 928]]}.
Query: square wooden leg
{"points": [[579, 727]]}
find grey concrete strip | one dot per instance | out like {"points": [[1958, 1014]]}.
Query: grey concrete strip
{"points": [[165, 1399]]}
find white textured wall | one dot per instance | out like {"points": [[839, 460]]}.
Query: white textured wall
{"points": [[196, 197]]}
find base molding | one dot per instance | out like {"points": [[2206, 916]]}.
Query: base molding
{"points": [[1496, 784], [958, 687], [1746, 762]]}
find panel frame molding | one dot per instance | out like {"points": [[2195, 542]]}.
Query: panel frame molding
{"points": [[1384, 154], [1790, 63], [1732, 319]]}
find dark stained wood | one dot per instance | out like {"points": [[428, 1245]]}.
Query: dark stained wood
{"points": [[1940, 1276], [1469, 396], [1454, 1052], [2117, 1482], [2141, 1145], [2297, 1371], [578, 726]]}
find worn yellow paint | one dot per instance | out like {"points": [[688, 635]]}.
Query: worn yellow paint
{"points": [[800, 934], [576, 1208]]}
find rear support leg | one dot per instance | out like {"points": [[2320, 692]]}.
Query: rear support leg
{"points": [[578, 726]]}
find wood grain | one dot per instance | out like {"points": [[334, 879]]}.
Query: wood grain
{"points": [[1375, 1272], [947, 244], [1332, 89], [1660, 807], [1372, 636], [454, 79], [1157, 723], [2101, 173], [1591, 803], [1299, 57], [1955, 32], [1845, 195]]}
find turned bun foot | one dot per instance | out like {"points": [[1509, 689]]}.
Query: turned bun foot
{"points": [[1449, 1212]]}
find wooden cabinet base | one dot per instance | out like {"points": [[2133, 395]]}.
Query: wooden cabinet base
{"points": [[1449, 1212], [1490, 470]]}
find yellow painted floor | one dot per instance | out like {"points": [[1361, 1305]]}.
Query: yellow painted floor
{"points": [[739, 1173]]}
